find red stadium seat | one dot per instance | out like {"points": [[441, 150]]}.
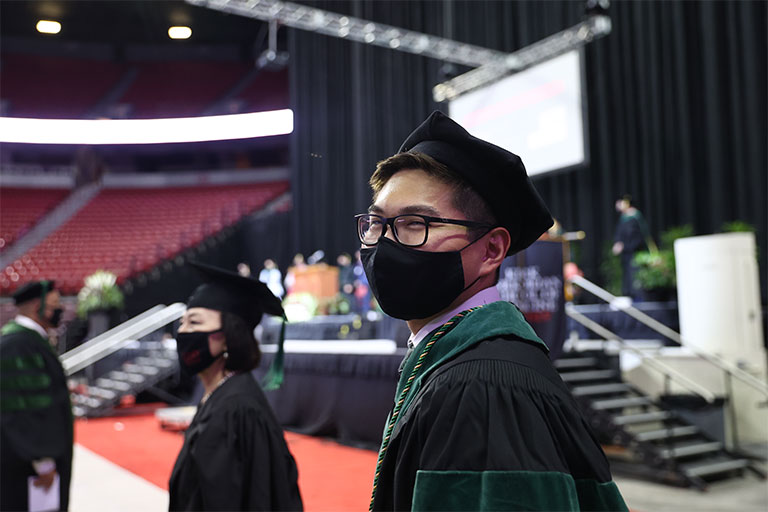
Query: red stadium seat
{"points": [[55, 87], [127, 231], [21, 208]]}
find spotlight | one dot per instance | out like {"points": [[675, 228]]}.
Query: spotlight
{"points": [[48, 27], [596, 7], [179, 32], [271, 59]]}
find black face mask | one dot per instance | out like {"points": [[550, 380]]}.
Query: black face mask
{"points": [[194, 352], [409, 283], [55, 319]]}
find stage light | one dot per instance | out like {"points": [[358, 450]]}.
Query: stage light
{"points": [[179, 32], [48, 27], [146, 131]]}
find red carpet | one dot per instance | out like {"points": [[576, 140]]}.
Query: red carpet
{"points": [[331, 477]]}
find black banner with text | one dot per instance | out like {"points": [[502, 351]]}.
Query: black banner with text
{"points": [[533, 281]]}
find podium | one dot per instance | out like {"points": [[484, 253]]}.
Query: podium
{"points": [[320, 280]]}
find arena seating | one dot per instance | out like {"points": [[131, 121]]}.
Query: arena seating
{"points": [[267, 91], [58, 87], [127, 231], [21, 208], [54, 87], [179, 89]]}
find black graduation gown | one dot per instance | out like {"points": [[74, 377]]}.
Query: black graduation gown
{"points": [[234, 455], [632, 232], [35, 415], [494, 428]]}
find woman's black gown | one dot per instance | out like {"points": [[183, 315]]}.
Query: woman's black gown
{"points": [[234, 455]]}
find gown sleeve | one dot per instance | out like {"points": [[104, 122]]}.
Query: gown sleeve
{"points": [[33, 401], [495, 435], [247, 466]]}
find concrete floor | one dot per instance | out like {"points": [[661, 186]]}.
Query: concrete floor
{"points": [[745, 494], [99, 485]]}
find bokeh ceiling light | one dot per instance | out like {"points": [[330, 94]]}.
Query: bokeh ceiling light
{"points": [[48, 27], [179, 32]]}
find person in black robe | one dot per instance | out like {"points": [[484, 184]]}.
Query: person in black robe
{"points": [[234, 455], [481, 419], [631, 236], [36, 432]]}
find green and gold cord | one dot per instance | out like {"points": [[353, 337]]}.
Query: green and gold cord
{"points": [[446, 327]]}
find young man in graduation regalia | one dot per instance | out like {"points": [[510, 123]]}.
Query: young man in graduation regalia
{"points": [[481, 419], [35, 411]]}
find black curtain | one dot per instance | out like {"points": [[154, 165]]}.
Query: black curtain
{"points": [[676, 112]]}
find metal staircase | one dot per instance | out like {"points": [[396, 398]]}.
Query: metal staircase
{"points": [[123, 361], [150, 364], [671, 448], [668, 446]]}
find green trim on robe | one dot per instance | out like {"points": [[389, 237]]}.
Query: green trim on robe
{"points": [[451, 491], [490, 321], [34, 381], [32, 362], [28, 381], [23, 403], [14, 328]]}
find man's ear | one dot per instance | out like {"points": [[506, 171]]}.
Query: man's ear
{"points": [[30, 308], [495, 247]]}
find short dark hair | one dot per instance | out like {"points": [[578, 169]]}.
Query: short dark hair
{"points": [[242, 347], [465, 198]]}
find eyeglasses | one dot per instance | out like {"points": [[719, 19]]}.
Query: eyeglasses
{"points": [[411, 230]]}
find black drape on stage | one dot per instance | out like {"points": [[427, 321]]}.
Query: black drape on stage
{"points": [[676, 113]]}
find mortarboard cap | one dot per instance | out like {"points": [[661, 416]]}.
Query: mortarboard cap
{"points": [[33, 290], [230, 292], [245, 297], [497, 175]]}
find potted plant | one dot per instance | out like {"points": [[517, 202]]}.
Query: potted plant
{"points": [[655, 273], [99, 301]]}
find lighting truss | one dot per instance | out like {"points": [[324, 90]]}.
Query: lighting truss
{"points": [[491, 65], [592, 28], [355, 29]]}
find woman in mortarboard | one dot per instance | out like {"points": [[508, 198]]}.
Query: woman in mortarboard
{"points": [[234, 455]]}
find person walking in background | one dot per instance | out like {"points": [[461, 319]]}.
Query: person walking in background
{"points": [[632, 236], [271, 276], [290, 276], [35, 412], [482, 420], [234, 455]]}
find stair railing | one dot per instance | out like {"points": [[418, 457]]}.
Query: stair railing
{"points": [[114, 339], [731, 370], [669, 373]]}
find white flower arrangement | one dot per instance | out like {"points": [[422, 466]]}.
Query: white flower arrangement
{"points": [[99, 293]]}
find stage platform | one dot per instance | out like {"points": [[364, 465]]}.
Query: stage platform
{"points": [[343, 390], [341, 371], [624, 325]]}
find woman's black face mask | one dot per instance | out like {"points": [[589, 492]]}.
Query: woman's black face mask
{"points": [[194, 351]]}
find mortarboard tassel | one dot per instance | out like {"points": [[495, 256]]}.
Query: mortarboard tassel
{"points": [[274, 377]]}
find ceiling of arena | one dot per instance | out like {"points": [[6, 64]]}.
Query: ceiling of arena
{"points": [[126, 22]]}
